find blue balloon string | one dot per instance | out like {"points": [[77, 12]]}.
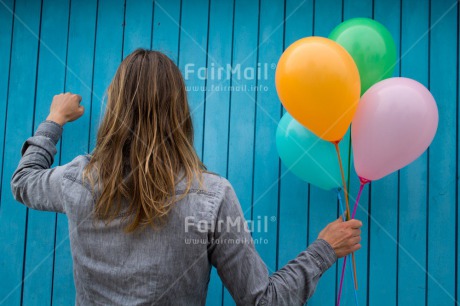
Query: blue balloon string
{"points": [[349, 261]]}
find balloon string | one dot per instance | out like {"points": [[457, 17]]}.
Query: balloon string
{"points": [[345, 191], [361, 187], [341, 280], [354, 289], [349, 263]]}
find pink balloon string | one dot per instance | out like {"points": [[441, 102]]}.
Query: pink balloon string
{"points": [[361, 187], [341, 280], [343, 212], [363, 182]]}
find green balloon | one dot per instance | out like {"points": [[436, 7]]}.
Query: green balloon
{"points": [[371, 46], [309, 157]]}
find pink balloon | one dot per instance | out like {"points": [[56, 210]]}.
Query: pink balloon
{"points": [[395, 122]]}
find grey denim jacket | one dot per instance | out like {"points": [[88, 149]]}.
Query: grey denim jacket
{"points": [[169, 266]]}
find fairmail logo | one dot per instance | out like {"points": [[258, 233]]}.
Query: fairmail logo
{"points": [[260, 224], [226, 72]]}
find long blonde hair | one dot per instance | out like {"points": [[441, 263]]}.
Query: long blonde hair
{"points": [[144, 141]]}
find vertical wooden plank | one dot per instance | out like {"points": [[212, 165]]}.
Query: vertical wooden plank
{"points": [[242, 108], [218, 86], [6, 30], [74, 140], [167, 14], [293, 210], [19, 126], [268, 113], [192, 60], [323, 204], [39, 262], [217, 97], [353, 9], [357, 8], [413, 179], [108, 54], [138, 25], [457, 296], [384, 196], [442, 155]]}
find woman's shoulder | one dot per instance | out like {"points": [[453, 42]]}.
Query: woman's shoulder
{"points": [[212, 176], [221, 186], [207, 182], [210, 183], [75, 167]]}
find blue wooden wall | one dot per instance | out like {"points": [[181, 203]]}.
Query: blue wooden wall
{"points": [[409, 252]]}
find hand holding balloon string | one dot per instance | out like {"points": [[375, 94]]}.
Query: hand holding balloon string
{"points": [[343, 236]]}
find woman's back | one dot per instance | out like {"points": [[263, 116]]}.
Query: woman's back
{"points": [[168, 265]]}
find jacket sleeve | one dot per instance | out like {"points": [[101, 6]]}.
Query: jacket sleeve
{"points": [[33, 182], [245, 274]]}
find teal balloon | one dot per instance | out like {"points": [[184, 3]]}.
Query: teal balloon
{"points": [[309, 157]]}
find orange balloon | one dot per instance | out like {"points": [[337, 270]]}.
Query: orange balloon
{"points": [[318, 83]]}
